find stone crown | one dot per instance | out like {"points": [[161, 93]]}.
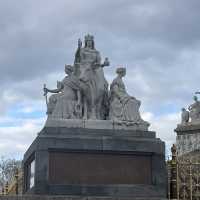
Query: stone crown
{"points": [[89, 37]]}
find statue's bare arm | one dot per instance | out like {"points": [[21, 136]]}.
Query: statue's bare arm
{"points": [[59, 88]]}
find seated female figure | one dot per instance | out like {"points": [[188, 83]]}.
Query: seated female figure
{"points": [[123, 107], [67, 98]]}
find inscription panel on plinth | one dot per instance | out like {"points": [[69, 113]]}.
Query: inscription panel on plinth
{"points": [[99, 168]]}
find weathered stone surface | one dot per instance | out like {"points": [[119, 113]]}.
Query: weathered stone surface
{"points": [[70, 123], [187, 139], [98, 124], [95, 124]]}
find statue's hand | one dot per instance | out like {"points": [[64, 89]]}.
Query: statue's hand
{"points": [[45, 91], [106, 62]]}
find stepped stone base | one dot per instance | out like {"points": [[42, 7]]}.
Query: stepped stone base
{"points": [[42, 197], [95, 162]]}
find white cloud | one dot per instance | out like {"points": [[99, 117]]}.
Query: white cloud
{"points": [[156, 40], [15, 140]]}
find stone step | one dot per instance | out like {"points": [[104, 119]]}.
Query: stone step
{"points": [[43, 197]]}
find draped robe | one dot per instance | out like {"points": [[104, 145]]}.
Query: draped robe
{"points": [[122, 106]]}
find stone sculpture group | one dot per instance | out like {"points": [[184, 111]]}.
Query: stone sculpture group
{"points": [[192, 115], [84, 92], [188, 137]]}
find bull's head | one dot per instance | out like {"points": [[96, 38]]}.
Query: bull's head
{"points": [[86, 73]]}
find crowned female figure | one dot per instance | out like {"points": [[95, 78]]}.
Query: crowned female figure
{"points": [[89, 69]]}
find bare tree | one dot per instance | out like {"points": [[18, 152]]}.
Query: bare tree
{"points": [[8, 168]]}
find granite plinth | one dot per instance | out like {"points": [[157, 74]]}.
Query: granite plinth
{"points": [[97, 162]]}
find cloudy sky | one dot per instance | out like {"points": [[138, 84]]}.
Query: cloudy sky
{"points": [[158, 41]]}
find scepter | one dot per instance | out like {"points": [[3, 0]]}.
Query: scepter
{"points": [[45, 93]]}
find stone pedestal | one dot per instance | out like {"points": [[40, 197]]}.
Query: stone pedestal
{"points": [[188, 138], [64, 197], [96, 162]]}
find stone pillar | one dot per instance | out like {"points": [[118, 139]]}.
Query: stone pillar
{"points": [[173, 177]]}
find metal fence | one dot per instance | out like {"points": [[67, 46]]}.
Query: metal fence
{"points": [[183, 177]]}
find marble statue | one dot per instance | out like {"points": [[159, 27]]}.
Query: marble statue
{"points": [[194, 110], [184, 116], [93, 84], [188, 135], [123, 107], [83, 98], [67, 99], [192, 115]]}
